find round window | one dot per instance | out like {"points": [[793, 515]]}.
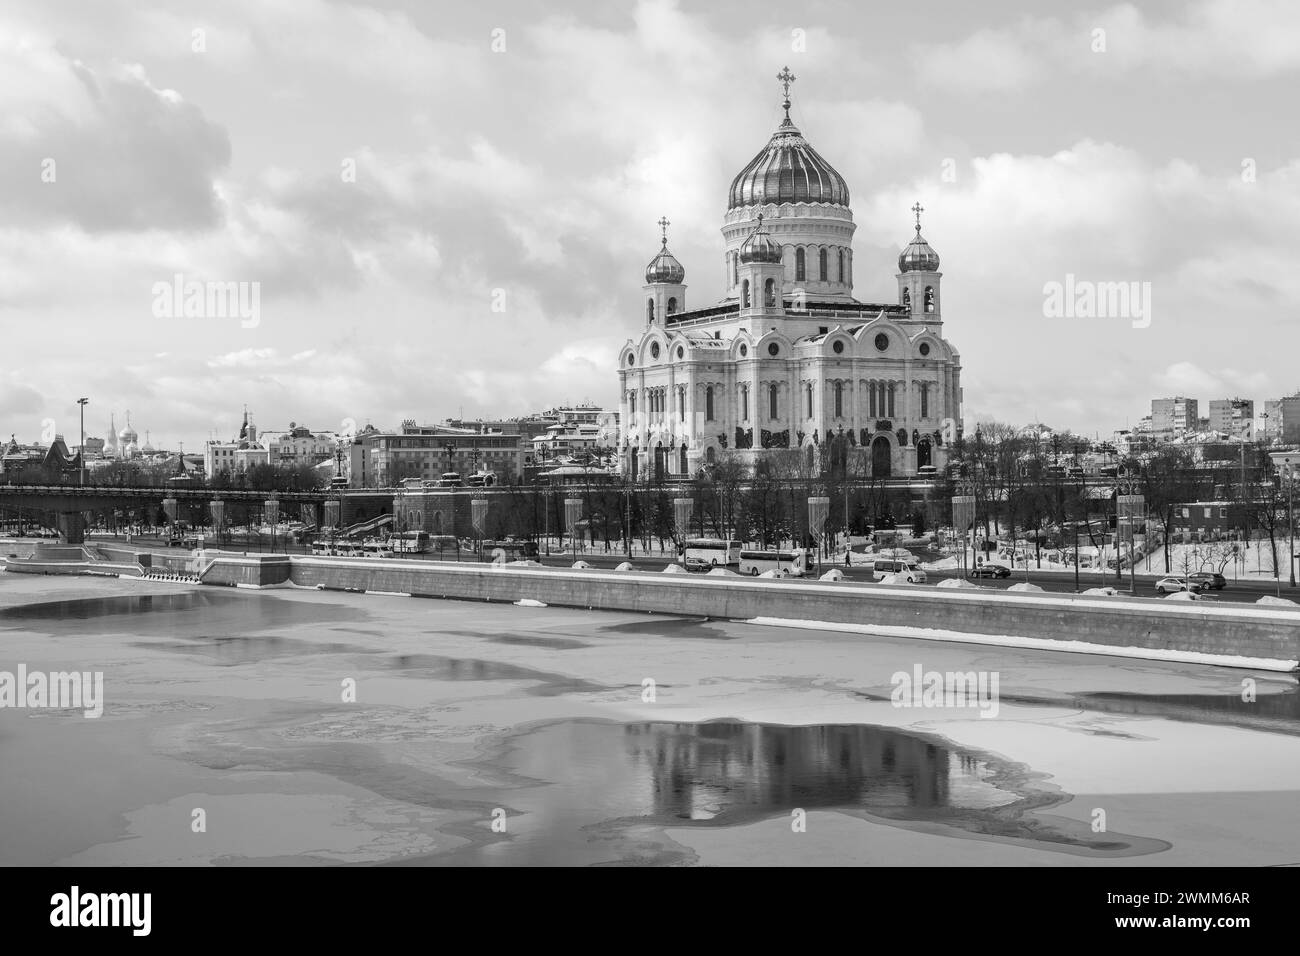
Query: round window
{"points": [[654, 350], [925, 348], [773, 349], [744, 350], [838, 347], [882, 341], [681, 352]]}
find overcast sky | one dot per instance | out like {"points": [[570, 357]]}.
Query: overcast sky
{"points": [[1168, 157]]}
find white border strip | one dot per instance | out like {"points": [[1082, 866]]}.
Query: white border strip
{"points": [[1034, 643]]}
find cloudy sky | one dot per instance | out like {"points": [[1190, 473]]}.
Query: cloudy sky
{"points": [[387, 173]]}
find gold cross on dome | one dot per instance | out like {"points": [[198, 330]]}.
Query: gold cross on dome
{"points": [[786, 78], [663, 225], [918, 209]]}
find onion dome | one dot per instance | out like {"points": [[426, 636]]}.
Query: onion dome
{"points": [[128, 435], [918, 256], [665, 268], [759, 246]]}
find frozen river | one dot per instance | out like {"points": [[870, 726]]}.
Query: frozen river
{"points": [[320, 728]]}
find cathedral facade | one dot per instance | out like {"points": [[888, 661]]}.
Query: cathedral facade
{"points": [[789, 359]]}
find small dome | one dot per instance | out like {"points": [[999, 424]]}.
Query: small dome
{"points": [[759, 246], [665, 268], [918, 256]]}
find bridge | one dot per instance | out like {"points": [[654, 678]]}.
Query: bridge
{"points": [[69, 503]]}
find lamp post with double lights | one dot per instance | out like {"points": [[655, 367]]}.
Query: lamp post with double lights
{"points": [[81, 449], [1287, 462]]}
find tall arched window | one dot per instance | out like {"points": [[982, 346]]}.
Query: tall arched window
{"points": [[821, 265], [683, 459], [708, 404], [907, 299], [799, 266], [632, 404], [769, 293], [672, 305], [744, 294], [735, 268], [890, 413], [649, 310], [839, 399], [681, 403], [841, 258], [929, 298], [771, 401], [809, 391], [744, 403], [925, 399], [871, 392]]}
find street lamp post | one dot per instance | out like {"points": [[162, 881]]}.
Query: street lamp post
{"points": [[81, 450]]}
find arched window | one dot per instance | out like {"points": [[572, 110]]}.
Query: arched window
{"points": [[681, 403], [771, 401], [809, 390], [799, 269], [632, 404], [769, 293], [682, 470], [907, 299], [839, 399], [925, 400], [929, 298], [821, 265], [744, 403], [890, 413], [735, 268], [708, 455], [708, 404], [672, 305], [871, 393], [649, 310], [744, 294], [841, 258]]}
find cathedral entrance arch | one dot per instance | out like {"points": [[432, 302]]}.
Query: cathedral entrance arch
{"points": [[881, 457], [923, 457]]}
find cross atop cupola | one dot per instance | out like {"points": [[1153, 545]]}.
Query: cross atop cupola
{"points": [[786, 78]]}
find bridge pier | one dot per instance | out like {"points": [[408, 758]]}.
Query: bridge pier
{"points": [[72, 527]]}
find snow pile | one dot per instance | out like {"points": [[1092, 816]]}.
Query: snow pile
{"points": [[581, 565], [1181, 596], [529, 602], [675, 569], [625, 566], [773, 573], [1107, 591], [1277, 601], [720, 572], [894, 579], [834, 574], [956, 583], [1024, 586]]}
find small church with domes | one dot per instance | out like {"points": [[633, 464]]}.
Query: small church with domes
{"points": [[789, 359]]}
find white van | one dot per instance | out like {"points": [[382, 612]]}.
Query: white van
{"points": [[907, 570]]}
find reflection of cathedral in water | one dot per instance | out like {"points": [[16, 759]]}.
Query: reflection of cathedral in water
{"points": [[697, 770]]}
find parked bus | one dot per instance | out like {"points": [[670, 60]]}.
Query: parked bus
{"points": [[792, 562], [409, 542], [701, 554], [512, 550]]}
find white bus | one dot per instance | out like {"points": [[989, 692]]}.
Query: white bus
{"points": [[409, 542], [702, 554], [793, 562]]}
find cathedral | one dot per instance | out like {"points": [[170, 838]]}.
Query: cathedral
{"points": [[789, 359]]}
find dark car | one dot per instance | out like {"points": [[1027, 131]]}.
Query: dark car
{"points": [[1209, 579], [991, 571]]}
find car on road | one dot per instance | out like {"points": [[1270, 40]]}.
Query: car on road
{"points": [[902, 568], [991, 571], [1170, 585], [1208, 580]]}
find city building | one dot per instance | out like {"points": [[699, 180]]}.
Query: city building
{"points": [[789, 359], [383, 459], [1282, 420], [1173, 416], [1233, 416]]}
